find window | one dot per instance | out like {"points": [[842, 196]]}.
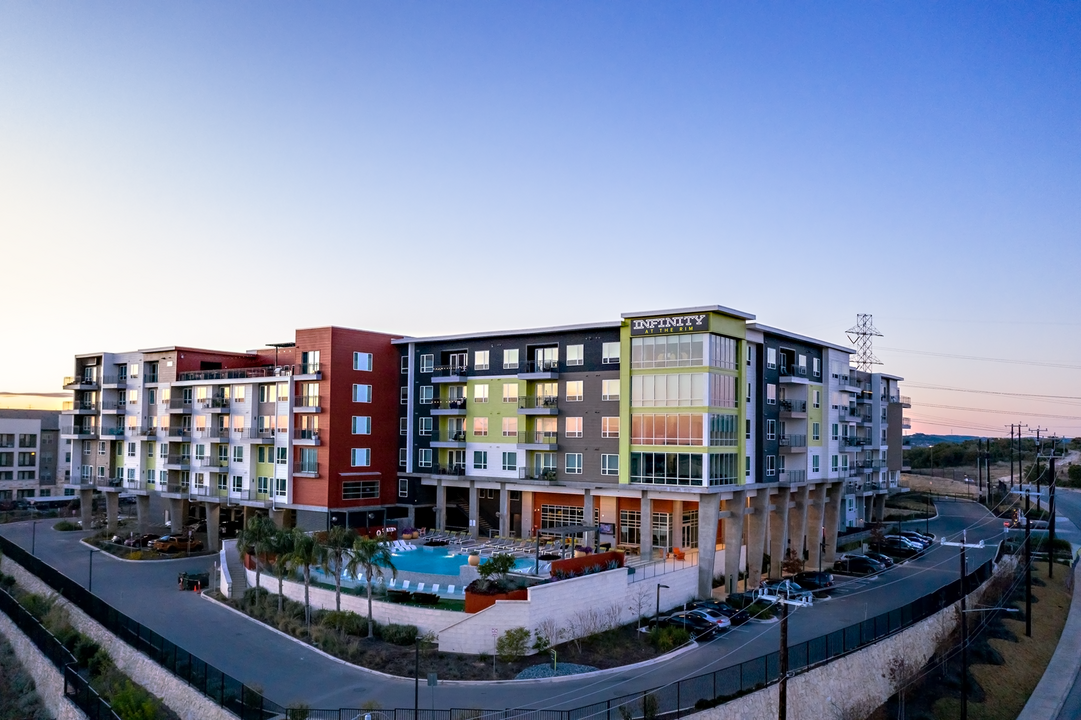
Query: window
{"points": [[510, 359], [748, 423], [723, 468], [28, 440], [771, 429], [666, 429], [480, 426], [25, 475], [131, 449], [360, 489], [816, 367], [362, 425], [403, 488], [609, 427], [510, 461], [574, 354], [163, 450], [403, 426], [480, 460], [426, 394], [7, 440], [427, 363], [574, 464], [510, 393], [771, 358], [833, 463], [771, 394], [200, 452], [405, 395], [574, 427], [403, 456], [833, 431], [666, 468], [610, 390], [814, 463], [424, 457], [817, 401], [362, 393], [816, 431], [480, 393], [405, 364], [574, 391], [238, 484], [360, 457], [748, 393], [239, 393], [668, 351], [771, 465], [610, 353], [283, 454], [101, 448], [424, 427], [362, 361], [238, 453], [480, 360], [510, 427], [609, 464]]}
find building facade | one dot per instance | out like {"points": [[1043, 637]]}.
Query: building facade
{"points": [[30, 449]]}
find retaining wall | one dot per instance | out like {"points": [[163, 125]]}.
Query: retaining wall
{"points": [[48, 680]]}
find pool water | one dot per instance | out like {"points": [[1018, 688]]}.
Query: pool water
{"points": [[438, 561]]}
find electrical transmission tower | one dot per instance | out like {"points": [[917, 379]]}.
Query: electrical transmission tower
{"points": [[860, 336]]}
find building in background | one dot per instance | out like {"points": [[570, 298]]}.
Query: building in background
{"points": [[30, 449]]}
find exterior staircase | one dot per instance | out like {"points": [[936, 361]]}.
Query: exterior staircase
{"points": [[238, 579]]}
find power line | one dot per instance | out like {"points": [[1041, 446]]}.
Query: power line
{"points": [[990, 392], [1001, 412], [1033, 363]]}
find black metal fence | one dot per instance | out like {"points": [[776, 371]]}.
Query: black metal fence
{"points": [[665, 702]]}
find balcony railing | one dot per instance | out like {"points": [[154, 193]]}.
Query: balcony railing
{"points": [[533, 366], [449, 371], [451, 436], [545, 474], [150, 378], [794, 371], [178, 460], [538, 437], [906, 423], [261, 434], [456, 469], [115, 432], [306, 401], [81, 430], [115, 380], [213, 434], [178, 432], [448, 403], [794, 441], [71, 380], [306, 468], [305, 434], [211, 403], [180, 403], [81, 405], [906, 401], [793, 406], [794, 476], [534, 402]]}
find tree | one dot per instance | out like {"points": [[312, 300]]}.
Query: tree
{"points": [[373, 557], [281, 547], [256, 536], [306, 552], [337, 543], [495, 569]]}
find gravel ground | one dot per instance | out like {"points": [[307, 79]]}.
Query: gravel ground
{"points": [[545, 671]]}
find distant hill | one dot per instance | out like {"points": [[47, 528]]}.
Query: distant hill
{"points": [[923, 440]]}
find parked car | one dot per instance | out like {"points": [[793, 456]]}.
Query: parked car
{"points": [[696, 626], [140, 541], [736, 616], [198, 526], [913, 537], [174, 543], [895, 546], [712, 616], [787, 589], [814, 580], [878, 557], [857, 565]]}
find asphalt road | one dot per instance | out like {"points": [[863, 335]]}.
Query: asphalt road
{"points": [[289, 672]]}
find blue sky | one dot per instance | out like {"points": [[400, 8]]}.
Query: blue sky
{"points": [[217, 174]]}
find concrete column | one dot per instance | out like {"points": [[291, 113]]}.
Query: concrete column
{"points": [[756, 537], [880, 508], [797, 521], [778, 532], [587, 517], [868, 508], [504, 510], [213, 520], [709, 507], [647, 527], [816, 504], [474, 510], [176, 515], [676, 539], [112, 511], [833, 511], [245, 515], [86, 506], [411, 516], [440, 505], [278, 518], [733, 538], [142, 512]]}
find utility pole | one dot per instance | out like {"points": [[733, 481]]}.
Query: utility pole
{"points": [[1051, 522], [1028, 579], [964, 621], [782, 666], [1011, 456], [979, 468]]}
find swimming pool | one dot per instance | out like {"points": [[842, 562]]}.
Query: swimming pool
{"points": [[438, 561]]}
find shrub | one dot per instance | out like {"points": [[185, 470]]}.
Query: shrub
{"points": [[65, 525], [298, 711], [132, 702], [36, 605], [512, 644], [668, 638], [344, 621], [398, 634]]}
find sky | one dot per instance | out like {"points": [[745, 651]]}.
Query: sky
{"points": [[216, 174]]}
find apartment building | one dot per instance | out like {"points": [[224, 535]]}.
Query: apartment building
{"points": [[297, 429], [695, 428], [29, 452]]}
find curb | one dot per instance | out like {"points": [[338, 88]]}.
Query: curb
{"points": [[158, 560], [1054, 687], [465, 683]]}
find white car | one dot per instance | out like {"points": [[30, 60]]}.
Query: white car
{"points": [[712, 616]]}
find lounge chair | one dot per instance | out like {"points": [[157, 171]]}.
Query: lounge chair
{"points": [[420, 587], [405, 585], [393, 582], [435, 588], [450, 589], [678, 554]]}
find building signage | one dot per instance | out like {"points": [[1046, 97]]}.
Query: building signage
{"points": [[670, 325]]}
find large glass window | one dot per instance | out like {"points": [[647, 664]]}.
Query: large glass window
{"points": [[666, 468], [574, 427], [668, 429], [630, 527], [723, 430], [510, 359], [723, 468], [723, 352], [609, 427], [668, 351], [673, 390], [722, 391], [575, 354], [690, 529], [610, 353]]}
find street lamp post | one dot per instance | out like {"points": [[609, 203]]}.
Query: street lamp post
{"points": [[34, 537], [657, 616], [416, 677], [927, 511], [90, 577]]}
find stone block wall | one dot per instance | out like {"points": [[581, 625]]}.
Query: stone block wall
{"points": [[47, 679]]}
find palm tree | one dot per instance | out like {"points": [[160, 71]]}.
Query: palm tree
{"points": [[256, 535], [281, 547], [373, 556], [338, 541], [306, 552]]}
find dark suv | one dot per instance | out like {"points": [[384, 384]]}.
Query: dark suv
{"points": [[814, 580], [857, 565]]}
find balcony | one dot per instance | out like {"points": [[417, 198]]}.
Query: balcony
{"points": [[452, 439], [538, 440], [139, 486], [113, 406], [306, 469], [854, 444], [306, 371], [150, 378], [214, 404], [80, 383], [178, 462], [214, 464], [114, 381], [546, 475], [114, 433], [456, 470], [793, 443], [906, 423], [848, 413], [78, 432], [864, 419], [306, 437], [177, 434], [848, 383], [260, 435], [793, 476], [214, 435], [538, 405], [180, 405], [547, 370], [449, 374], [906, 401], [793, 409], [796, 375], [307, 404], [868, 466], [150, 432], [82, 407], [448, 406]]}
